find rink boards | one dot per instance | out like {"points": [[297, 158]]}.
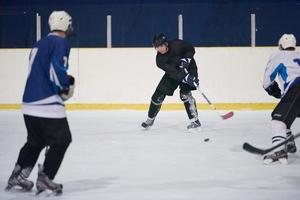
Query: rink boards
{"points": [[174, 106], [125, 78]]}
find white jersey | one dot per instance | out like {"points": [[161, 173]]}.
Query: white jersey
{"points": [[285, 64]]}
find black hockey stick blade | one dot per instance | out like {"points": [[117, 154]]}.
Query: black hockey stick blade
{"points": [[255, 150], [252, 149], [227, 115]]}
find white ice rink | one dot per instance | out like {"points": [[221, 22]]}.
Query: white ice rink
{"points": [[111, 158]]}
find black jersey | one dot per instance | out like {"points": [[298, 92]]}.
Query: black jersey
{"points": [[170, 61]]}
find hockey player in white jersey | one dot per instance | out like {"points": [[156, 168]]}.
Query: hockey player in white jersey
{"points": [[284, 67], [47, 87]]}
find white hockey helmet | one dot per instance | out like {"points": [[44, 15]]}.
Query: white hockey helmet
{"points": [[60, 21], [286, 41]]}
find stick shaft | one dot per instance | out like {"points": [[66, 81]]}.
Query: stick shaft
{"points": [[224, 117], [205, 97]]}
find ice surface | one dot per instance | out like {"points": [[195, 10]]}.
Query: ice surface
{"points": [[111, 158]]}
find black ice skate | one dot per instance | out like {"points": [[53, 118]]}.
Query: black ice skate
{"points": [[196, 125], [18, 179], [280, 156], [291, 146], [148, 123], [43, 183]]}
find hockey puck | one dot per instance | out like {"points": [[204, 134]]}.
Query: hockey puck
{"points": [[206, 139]]}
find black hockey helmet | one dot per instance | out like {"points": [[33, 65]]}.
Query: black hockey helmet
{"points": [[159, 40]]}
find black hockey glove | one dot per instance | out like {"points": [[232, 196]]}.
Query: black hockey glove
{"points": [[274, 90], [191, 80], [185, 63], [67, 93], [71, 79]]}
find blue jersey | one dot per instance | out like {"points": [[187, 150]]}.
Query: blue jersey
{"points": [[48, 65]]}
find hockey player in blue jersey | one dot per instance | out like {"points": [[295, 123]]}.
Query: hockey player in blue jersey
{"points": [[48, 86], [285, 65]]}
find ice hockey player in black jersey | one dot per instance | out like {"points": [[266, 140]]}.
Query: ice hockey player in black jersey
{"points": [[47, 87], [284, 64], [175, 57]]}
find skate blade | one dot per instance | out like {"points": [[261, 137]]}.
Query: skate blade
{"points": [[146, 128], [17, 189], [195, 130], [48, 193], [283, 161], [269, 161]]}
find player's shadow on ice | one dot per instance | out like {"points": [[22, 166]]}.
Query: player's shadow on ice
{"points": [[88, 184]]}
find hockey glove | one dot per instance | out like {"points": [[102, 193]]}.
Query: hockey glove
{"points": [[68, 93], [184, 63], [274, 90], [191, 80]]}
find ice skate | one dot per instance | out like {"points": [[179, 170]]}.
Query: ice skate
{"points": [[44, 184], [291, 145], [194, 126], [148, 123], [280, 156], [18, 179]]}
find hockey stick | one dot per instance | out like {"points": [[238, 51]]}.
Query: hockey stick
{"points": [[224, 117], [252, 149]]}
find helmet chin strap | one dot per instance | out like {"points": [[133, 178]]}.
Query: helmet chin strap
{"points": [[167, 49], [286, 49], [69, 31]]}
